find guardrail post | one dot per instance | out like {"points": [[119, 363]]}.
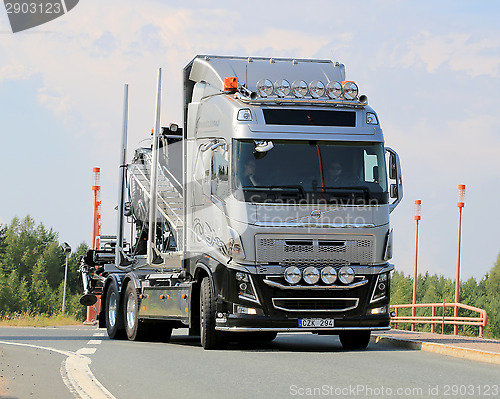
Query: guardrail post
{"points": [[433, 326], [442, 326]]}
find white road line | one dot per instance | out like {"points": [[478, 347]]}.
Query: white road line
{"points": [[99, 334], [94, 342], [86, 351], [76, 374]]}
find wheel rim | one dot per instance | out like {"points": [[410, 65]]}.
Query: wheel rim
{"points": [[130, 311], [112, 309]]}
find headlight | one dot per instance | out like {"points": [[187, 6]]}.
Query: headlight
{"points": [[265, 87], [311, 275], [282, 88], [235, 246], [246, 289], [346, 274], [371, 118], [328, 275], [381, 287], [316, 89], [299, 88], [244, 115], [350, 90], [333, 90], [292, 275]]}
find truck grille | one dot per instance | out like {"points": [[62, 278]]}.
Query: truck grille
{"points": [[315, 304], [293, 250]]}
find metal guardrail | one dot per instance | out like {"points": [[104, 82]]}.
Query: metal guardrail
{"points": [[440, 319]]}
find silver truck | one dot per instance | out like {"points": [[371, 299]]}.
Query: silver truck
{"points": [[266, 211]]}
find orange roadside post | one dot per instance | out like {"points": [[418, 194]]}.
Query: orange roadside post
{"points": [[460, 205], [417, 217]]}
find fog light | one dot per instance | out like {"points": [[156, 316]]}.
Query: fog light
{"points": [[346, 275], [245, 310], [328, 275], [292, 275], [380, 310], [311, 275]]}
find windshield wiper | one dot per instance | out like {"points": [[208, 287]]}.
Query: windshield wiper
{"points": [[363, 189]]}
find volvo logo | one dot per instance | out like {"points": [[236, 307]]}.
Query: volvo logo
{"points": [[316, 214]]}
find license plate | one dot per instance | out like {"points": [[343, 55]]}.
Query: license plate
{"points": [[305, 323]]}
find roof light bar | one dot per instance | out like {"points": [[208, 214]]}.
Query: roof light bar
{"points": [[299, 88], [315, 90], [265, 88]]}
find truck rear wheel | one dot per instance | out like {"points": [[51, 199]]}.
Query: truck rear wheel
{"points": [[357, 339], [113, 313], [210, 338], [135, 329]]}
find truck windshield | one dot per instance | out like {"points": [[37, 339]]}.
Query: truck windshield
{"points": [[310, 172]]}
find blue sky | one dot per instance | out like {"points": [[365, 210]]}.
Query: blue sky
{"points": [[430, 69]]}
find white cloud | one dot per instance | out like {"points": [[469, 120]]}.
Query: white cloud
{"points": [[461, 52], [15, 71]]}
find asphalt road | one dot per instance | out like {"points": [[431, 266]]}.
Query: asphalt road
{"points": [[78, 361]]}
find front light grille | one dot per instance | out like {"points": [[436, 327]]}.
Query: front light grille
{"points": [[315, 304], [292, 251]]}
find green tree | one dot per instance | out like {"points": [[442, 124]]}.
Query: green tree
{"points": [[24, 243], [40, 293], [14, 297]]}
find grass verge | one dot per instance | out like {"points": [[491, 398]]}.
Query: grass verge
{"points": [[32, 320]]}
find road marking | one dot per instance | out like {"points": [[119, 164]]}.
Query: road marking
{"points": [[86, 351], [94, 342], [76, 374], [99, 334]]}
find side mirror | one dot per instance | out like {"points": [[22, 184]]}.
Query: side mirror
{"points": [[394, 171], [394, 191], [393, 168]]}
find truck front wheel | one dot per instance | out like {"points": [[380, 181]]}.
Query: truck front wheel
{"points": [[210, 338], [357, 339], [114, 316]]}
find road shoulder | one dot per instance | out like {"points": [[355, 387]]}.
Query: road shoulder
{"points": [[476, 349]]}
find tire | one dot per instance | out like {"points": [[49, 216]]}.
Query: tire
{"points": [[135, 329], [113, 313], [357, 339], [210, 338]]}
